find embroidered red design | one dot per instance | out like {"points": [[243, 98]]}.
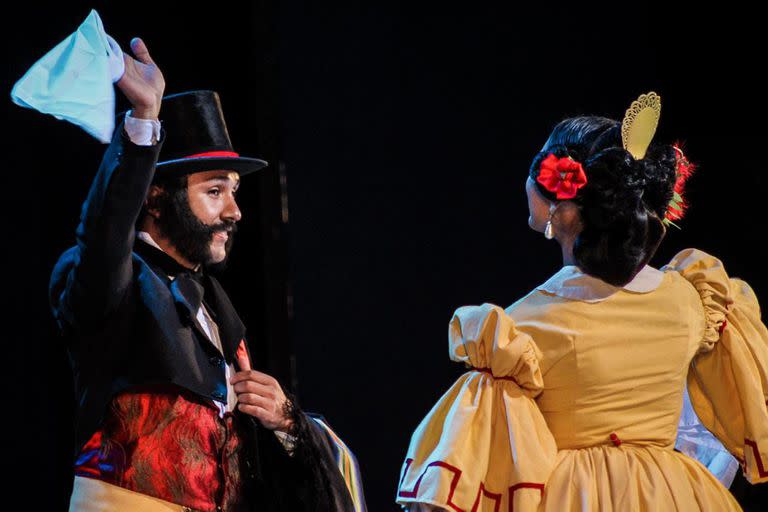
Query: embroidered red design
{"points": [[168, 443]]}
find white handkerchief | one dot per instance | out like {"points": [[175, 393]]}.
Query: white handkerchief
{"points": [[74, 80]]}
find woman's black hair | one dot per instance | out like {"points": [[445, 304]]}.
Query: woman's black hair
{"points": [[623, 202]]}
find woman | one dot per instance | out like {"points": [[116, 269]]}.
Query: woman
{"points": [[574, 391]]}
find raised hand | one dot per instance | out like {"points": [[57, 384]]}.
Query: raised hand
{"points": [[261, 396], [142, 83]]}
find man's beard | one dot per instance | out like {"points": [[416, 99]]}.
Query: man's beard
{"points": [[188, 234]]}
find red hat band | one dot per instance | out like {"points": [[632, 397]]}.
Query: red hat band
{"points": [[214, 154]]}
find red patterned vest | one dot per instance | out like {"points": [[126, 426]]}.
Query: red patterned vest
{"points": [[171, 444]]}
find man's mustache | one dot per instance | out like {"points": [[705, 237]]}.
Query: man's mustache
{"points": [[231, 227]]}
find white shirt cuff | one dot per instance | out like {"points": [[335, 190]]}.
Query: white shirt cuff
{"points": [[142, 132], [287, 440]]}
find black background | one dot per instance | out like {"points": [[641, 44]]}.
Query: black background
{"points": [[403, 135]]}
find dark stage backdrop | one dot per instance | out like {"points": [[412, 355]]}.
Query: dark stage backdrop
{"points": [[400, 138]]}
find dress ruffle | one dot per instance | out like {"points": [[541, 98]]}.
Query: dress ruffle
{"points": [[728, 379], [485, 441], [707, 274], [485, 338]]}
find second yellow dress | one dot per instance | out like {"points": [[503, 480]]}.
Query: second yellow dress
{"points": [[574, 392]]}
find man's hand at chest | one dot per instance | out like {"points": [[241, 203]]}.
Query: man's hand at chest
{"points": [[261, 396]]}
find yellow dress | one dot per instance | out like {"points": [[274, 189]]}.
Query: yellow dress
{"points": [[572, 402]]}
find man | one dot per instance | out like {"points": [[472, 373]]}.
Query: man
{"points": [[170, 415]]}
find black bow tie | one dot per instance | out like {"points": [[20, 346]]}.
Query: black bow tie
{"points": [[189, 287]]}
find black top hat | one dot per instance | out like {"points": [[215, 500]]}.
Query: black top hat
{"points": [[196, 137]]}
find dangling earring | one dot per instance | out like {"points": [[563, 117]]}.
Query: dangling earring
{"points": [[549, 231]]}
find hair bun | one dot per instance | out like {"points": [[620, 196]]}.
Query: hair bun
{"points": [[658, 173]]}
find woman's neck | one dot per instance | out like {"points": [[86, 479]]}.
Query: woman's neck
{"points": [[566, 245]]}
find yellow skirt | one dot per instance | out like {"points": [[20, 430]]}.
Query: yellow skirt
{"points": [[93, 495], [637, 478]]}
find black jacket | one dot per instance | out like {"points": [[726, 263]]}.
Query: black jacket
{"points": [[127, 324]]}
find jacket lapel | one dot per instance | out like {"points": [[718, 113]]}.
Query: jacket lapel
{"points": [[231, 327], [188, 293]]}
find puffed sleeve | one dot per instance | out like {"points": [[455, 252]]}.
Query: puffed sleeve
{"points": [[485, 441], [728, 378]]}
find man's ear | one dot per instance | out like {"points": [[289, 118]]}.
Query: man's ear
{"points": [[150, 203]]}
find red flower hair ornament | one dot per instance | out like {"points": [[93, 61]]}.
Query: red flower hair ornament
{"points": [[677, 205], [562, 176]]}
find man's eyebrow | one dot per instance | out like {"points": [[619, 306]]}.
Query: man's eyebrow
{"points": [[224, 178]]}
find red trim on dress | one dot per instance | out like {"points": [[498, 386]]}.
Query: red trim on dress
{"points": [[405, 472], [523, 485], [496, 497], [758, 459], [488, 371], [437, 463], [481, 491]]}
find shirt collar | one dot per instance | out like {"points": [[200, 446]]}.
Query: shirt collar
{"points": [[572, 283], [146, 237]]}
